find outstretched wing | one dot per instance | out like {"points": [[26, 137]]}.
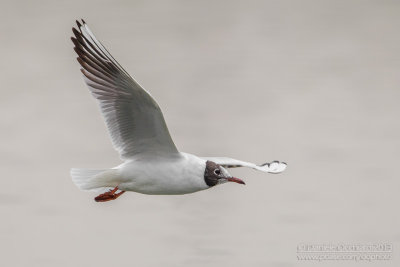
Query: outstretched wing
{"points": [[273, 167], [133, 118]]}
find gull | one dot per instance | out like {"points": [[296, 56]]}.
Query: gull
{"points": [[151, 162]]}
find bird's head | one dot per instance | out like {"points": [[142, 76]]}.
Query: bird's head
{"points": [[215, 174]]}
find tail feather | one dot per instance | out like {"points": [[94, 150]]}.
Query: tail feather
{"points": [[87, 179]]}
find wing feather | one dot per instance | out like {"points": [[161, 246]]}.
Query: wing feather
{"points": [[272, 167], [133, 118]]}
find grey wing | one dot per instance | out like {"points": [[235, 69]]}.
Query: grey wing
{"points": [[272, 167], [133, 118]]}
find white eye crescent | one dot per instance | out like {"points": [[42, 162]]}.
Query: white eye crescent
{"points": [[217, 171]]}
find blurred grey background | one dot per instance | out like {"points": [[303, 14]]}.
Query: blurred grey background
{"points": [[312, 83]]}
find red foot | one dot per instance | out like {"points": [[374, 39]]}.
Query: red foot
{"points": [[110, 195]]}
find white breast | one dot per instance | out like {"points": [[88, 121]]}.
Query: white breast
{"points": [[163, 176]]}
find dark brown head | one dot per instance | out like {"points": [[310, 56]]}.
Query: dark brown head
{"points": [[216, 174]]}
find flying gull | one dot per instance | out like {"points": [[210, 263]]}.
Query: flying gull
{"points": [[151, 162]]}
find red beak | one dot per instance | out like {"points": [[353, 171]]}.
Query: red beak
{"points": [[236, 180]]}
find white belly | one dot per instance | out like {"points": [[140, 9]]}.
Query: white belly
{"points": [[171, 176]]}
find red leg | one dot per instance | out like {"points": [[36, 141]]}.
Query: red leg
{"points": [[110, 195]]}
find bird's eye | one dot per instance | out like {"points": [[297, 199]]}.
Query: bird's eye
{"points": [[217, 172]]}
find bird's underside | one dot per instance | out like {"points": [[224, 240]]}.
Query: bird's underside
{"points": [[138, 130]]}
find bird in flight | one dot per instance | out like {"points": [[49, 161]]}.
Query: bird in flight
{"points": [[151, 162]]}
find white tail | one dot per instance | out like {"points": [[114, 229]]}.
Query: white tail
{"points": [[87, 179]]}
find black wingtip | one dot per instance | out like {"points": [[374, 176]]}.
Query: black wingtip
{"points": [[78, 23], [78, 52], [83, 21], [75, 41], [75, 31], [80, 60]]}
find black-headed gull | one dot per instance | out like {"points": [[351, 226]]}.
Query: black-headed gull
{"points": [[152, 163]]}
